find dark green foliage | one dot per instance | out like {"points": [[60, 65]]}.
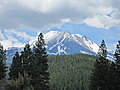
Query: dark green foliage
{"points": [[26, 57], [16, 67], [20, 70], [99, 78], [102, 50], [20, 83], [117, 73], [70, 72], [40, 73], [112, 77], [34, 63], [117, 53], [3, 67]]}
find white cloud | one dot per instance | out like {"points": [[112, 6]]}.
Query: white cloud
{"points": [[2, 36], [11, 43], [14, 38], [103, 21], [109, 21], [65, 20], [104, 10], [22, 35], [41, 14], [95, 22]]}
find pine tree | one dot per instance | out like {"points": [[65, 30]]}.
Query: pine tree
{"points": [[15, 69], [112, 76], [117, 61], [3, 67], [40, 74], [102, 52], [20, 83], [99, 79], [26, 82], [117, 53], [21, 69], [26, 58]]}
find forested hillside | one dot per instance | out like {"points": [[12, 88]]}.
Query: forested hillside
{"points": [[70, 72]]}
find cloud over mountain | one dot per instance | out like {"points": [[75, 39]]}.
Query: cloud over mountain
{"points": [[14, 38], [41, 14]]}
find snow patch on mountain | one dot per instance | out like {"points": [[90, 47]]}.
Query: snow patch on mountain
{"points": [[60, 41]]}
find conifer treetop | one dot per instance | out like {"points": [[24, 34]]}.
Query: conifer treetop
{"points": [[102, 52], [117, 53]]}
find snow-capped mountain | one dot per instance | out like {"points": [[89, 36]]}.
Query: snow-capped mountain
{"points": [[60, 43], [57, 43]]}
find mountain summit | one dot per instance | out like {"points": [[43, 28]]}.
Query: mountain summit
{"points": [[60, 43], [66, 43]]}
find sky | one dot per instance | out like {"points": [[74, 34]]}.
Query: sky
{"points": [[96, 19]]}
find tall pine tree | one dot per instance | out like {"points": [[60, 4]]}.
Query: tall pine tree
{"points": [[112, 76], [3, 67], [15, 69], [40, 74], [22, 67], [26, 58], [117, 61], [99, 77], [117, 53]]}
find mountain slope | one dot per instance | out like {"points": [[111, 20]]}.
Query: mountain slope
{"points": [[60, 43]]}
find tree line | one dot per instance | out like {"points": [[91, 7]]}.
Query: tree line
{"points": [[29, 69], [106, 73]]}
